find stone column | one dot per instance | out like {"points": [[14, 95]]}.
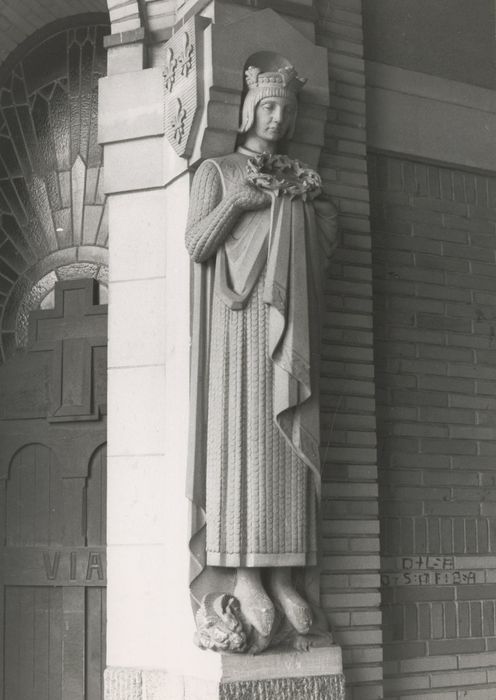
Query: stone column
{"points": [[150, 650]]}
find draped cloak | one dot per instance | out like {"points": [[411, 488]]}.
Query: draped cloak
{"points": [[271, 261]]}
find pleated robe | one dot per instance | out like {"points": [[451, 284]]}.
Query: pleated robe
{"points": [[254, 478]]}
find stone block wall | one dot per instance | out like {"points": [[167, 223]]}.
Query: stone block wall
{"points": [[435, 291]]}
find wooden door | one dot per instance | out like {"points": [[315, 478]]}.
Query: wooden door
{"points": [[52, 503]]}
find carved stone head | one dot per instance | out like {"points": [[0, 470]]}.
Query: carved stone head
{"points": [[282, 82], [219, 626]]}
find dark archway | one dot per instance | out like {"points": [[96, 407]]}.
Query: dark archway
{"points": [[53, 222]]}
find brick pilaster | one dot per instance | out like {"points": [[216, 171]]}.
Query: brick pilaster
{"points": [[350, 505]]}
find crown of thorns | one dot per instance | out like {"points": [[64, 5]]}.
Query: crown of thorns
{"points": [[286, 78]]}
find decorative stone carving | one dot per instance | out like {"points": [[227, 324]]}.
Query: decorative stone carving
{"points": [[183, 85], [169, 71], [185, 58], [178, 123], [222, 627], [219, 624], [260, 233]]}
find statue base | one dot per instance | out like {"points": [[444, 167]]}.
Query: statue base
{"points": [[274, 675]]}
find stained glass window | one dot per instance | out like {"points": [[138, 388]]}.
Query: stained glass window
{"points": [[53, 214]]}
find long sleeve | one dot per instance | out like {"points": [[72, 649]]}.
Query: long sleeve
{"points": [[211, 217]]}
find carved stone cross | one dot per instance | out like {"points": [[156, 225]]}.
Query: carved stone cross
{"points": [[75, 326]]}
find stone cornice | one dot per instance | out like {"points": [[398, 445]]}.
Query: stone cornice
{"points": [[431, 118]]}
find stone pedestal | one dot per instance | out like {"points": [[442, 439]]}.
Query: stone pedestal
{"points": [[274, 675]]}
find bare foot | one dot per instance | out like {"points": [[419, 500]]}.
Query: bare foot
{"points": [[296, 609], [256, 606]]}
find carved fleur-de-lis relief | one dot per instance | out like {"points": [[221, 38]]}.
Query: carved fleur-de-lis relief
{"points": [[181, 76], [169, 71], [178, 122], [185, 59]]}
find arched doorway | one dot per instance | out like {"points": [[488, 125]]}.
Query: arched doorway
{"points": [[53, 502], [53, 213], [53, 367]]}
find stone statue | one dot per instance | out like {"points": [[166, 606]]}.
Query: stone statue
{"points": [[260, 237]]}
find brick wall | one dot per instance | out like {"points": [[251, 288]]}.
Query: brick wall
{"points": [[350, 500], [434, 260]]}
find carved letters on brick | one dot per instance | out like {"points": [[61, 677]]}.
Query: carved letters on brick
{"points": [[182, 90], [428, 570]]}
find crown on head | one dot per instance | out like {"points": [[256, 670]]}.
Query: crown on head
{"points": [[285, 78]]}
